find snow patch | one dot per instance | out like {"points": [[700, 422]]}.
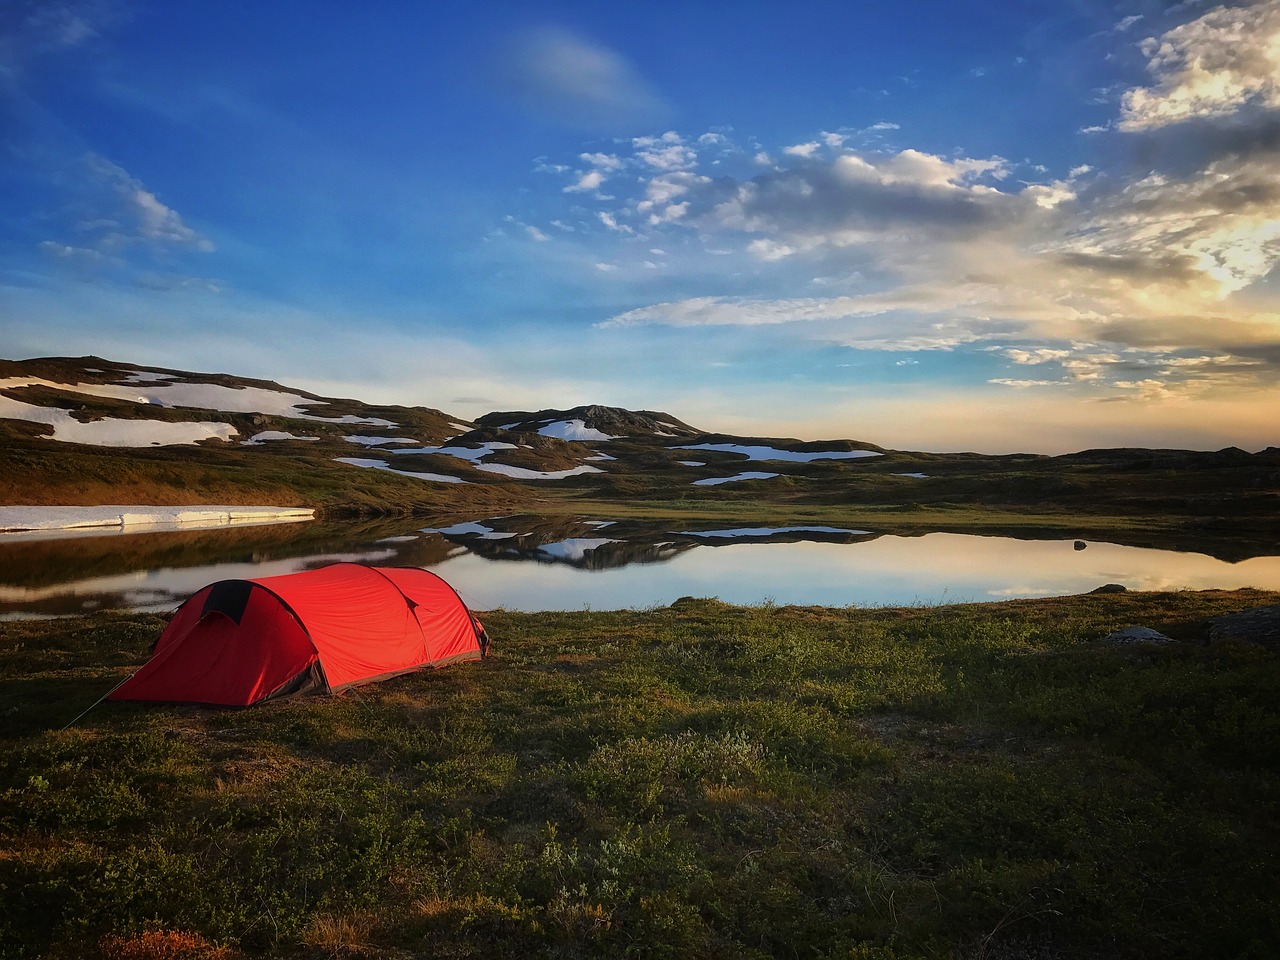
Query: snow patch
{"points": [[749, 475], [773, 453], [383, 465], [473, 454], [115, 515], [520, 473], [377, 441], [691, 463], [111, 432], [142, 376], [202, 396], [573, 430], [258, 439], [918, 476]]}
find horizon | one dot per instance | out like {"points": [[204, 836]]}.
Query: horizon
{"points": [[1035, 231]]}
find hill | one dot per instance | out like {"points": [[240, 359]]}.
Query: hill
{"points": [[87, 430]]}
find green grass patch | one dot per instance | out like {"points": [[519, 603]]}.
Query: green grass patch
{"points": [[701, 780]]}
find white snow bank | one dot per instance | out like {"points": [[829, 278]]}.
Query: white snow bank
{"points": [[377, 441], [258, 439], [691, 463], [601, 457], [203, 396], [520, 473], [573, 430], [473, 454], [383, 465], [749, 475], [69, 518], [918, 476], [768, 531], [111, 432], [573, 549], [773, 453], [464, 427]]}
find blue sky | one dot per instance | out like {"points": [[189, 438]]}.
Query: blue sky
{"points": [[1023, 226]]}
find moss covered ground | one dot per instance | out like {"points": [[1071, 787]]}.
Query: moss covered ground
{"points": [[701, 780]]}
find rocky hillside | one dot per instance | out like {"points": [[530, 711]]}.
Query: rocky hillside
{"points": [[130, 426]]}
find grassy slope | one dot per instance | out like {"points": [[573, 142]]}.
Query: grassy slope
{"points": [[699, 780]]}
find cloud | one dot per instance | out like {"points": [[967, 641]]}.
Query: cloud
{"points": [[608, 220], [587, 182], [769, 249], [137, 214], [1212, 67], [668, 152], [568, 78], [48, 27], [1213, 233]]}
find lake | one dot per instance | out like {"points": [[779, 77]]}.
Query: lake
{"points": [[533, 563]]}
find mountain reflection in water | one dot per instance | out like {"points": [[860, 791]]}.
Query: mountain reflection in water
{"points": [[572, 563]]}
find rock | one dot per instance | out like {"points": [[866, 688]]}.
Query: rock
{"points": [[1259, 625], [1111, 588], [1079, 545], [1137, 635]]}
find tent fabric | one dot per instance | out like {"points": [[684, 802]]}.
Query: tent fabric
{"points": [[240, 642]]}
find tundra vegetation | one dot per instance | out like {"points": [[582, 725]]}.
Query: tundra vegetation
{"points": [[699, 780]]}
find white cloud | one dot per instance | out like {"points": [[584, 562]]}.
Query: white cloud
{"points": [[667, 152], [570, 78], [536, 234], [608, 220], [139, 215], [586, 183], [1037, 355], [1213, 66], [601, 161], [1023, 384], [805, 150], [769, 249]]}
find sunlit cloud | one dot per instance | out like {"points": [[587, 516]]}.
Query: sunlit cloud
{"points": [[1211, 67]]}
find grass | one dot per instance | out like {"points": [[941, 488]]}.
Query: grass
{"points": [[701, 780]]}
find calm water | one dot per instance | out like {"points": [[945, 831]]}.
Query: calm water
{"points": [[528, 563]]}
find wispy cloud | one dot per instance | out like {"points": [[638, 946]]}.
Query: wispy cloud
{"points": [[135, 213], [569, 78]]}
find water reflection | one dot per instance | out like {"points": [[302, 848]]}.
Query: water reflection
{"points": [[576, 563]]}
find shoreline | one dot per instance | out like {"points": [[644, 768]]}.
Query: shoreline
{"points": [[19, 519]]}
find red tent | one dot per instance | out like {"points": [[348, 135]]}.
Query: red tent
{"points": [[239, 642]]}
